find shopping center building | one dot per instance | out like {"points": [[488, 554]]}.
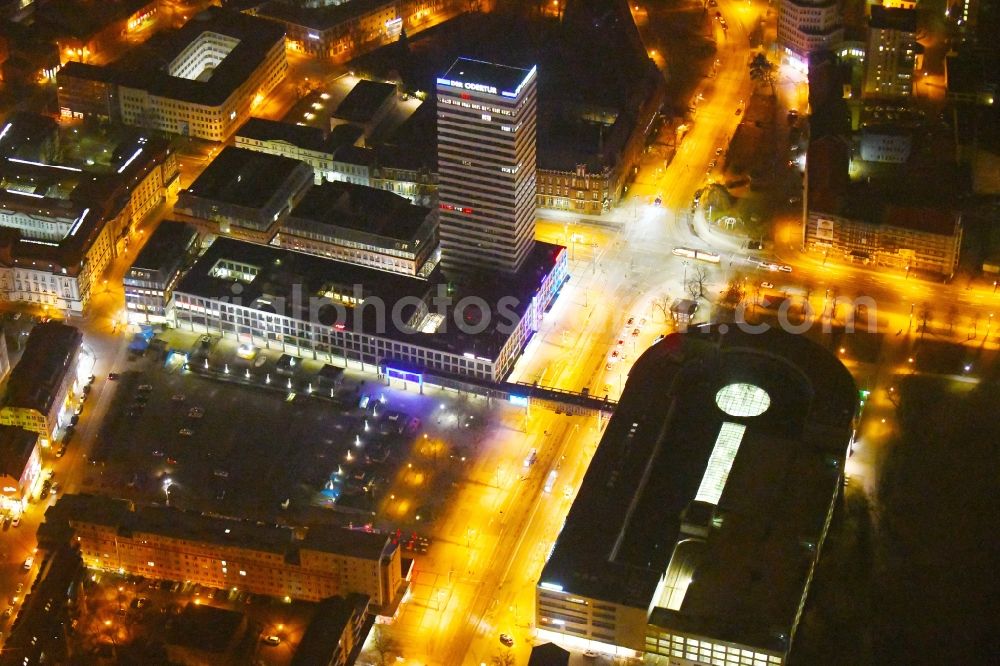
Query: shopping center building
{"points": [[713, 488], [364, 318]]}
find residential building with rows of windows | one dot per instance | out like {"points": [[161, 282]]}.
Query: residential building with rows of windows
{"points": [[891, 53], [204, 81], [310, 563], [713, 485]]}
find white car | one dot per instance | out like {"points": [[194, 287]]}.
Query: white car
{"points": [[28, 561], [767, 285]]}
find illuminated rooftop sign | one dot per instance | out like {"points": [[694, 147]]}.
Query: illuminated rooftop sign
{"points": [[467, 85]]}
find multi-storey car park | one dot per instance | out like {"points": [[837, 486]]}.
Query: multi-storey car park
{"points": [[695, 533], [202, 81]]}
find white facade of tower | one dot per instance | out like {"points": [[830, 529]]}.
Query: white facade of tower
{"points": [[486, 164]]}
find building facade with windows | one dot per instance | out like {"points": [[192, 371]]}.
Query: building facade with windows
{"points": [[903, 237], [20, 468], [245, 193], [150, 279], [486, 165], [326, 310], [62, 225], [205, 82], [164, 543], [891, 52], [364, 226], [343, 30], [714, 485], [808, 26], [46, 382]]}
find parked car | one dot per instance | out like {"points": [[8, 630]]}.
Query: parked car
{"points": [[113, 376], [507, 640]]}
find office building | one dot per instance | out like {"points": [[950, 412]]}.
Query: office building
{"points": [[808, 26], [335, 634], [713, 486], [245, 193], [891, 52], [164, 543], [46, 382], [150, 279], [202, 81], [329, 310], [20, 468], [486, 166], [364, 226]]}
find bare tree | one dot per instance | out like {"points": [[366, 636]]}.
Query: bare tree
{"points": [[696, 282], [503, 658], [382, 647], [662, 303]]}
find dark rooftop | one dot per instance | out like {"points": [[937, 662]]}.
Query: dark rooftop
{"points": [[81, 19], [204, 627], [225, 532], [747, 575], [548, 654], [894, 18], [322, 636], [166, 247], [243, 177], [361, 208], [502, 77], [355, 543], [364, 100], [16, 445], [288, 279], [35, 380], [317, 18], [301, 136]]}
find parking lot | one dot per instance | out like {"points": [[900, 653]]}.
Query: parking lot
{"points": [[228, 435]]}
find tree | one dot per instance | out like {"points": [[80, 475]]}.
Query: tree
{"points": [[503, 658], [662, 303], [762, 70], [735, 291], [382, 646], [697, 279]]}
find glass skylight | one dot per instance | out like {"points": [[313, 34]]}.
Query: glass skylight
{"points": [[742, 400]]}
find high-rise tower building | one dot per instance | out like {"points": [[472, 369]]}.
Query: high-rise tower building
{"points": [[486, 166]]}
